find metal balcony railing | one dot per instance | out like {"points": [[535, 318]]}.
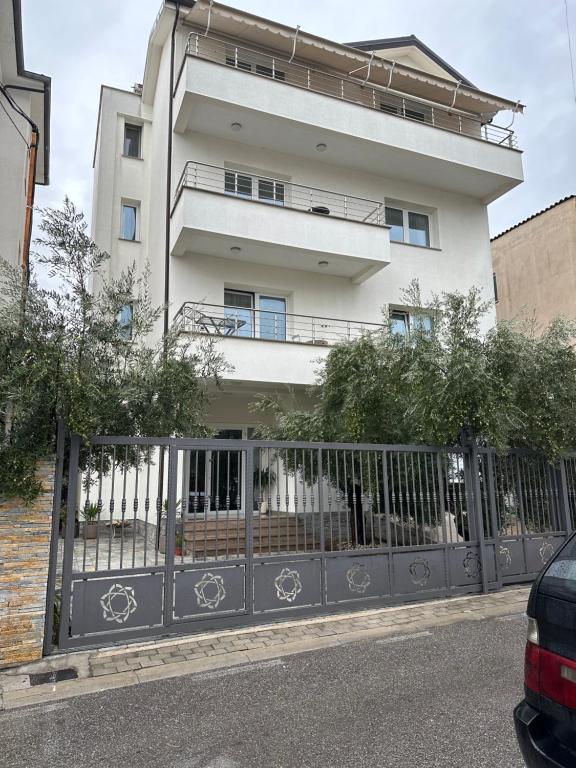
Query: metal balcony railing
{"points": [[268, 325], [347, 88], [278, 192]]}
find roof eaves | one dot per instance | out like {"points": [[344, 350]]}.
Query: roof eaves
{"points": [[405, 41], [534, 216]]}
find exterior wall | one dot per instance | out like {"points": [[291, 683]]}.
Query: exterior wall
{"points": [[535, 266], [458, 259], [24, 555], [13, 162]]}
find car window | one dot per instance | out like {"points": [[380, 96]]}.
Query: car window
{"points": [[559, 579]]}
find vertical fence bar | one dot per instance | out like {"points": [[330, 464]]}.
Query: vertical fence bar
{"points": [[563, 497], [170, 534], [248, 529]]}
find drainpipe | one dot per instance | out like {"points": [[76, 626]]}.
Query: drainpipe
{"points": [[30, 184]]}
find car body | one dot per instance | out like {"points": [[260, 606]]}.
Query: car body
{"points": [[546, 720]]}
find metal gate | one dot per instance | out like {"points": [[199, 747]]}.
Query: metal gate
{"points": [[170, 536]]}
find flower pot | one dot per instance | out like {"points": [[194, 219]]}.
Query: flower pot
{"points": [[90, 530], [178, 552]]}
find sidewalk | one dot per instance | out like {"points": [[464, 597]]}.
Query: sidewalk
{"points": [[120, 666]]}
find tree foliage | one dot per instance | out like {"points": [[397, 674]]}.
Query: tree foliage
{"points": [[511, 386], [64, 356]]}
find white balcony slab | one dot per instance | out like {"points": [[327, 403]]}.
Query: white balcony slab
{"points": [[209, 223], [282, 117]]}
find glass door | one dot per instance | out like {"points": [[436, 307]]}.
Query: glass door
{"points": [[220, 473], [239, 312], [272, 318]]}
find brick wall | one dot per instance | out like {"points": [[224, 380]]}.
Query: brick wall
{"points": [[24, 554]]}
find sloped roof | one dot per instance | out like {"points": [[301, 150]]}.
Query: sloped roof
{"points": [[534, 215], [406, 42]]}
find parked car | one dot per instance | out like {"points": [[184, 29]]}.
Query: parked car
{"points": [[546, 720]]}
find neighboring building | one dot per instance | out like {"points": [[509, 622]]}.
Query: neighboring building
{"points": [[535, 265], [24, 106], [309, 182]]}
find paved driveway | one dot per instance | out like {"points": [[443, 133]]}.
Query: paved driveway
{"points": [[439, 697]]}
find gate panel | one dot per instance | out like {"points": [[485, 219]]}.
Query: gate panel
{"points": [[280, 586], [209, 590], [357, 577]]}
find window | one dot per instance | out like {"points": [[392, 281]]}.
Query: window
{"points": [[237, 184], [390, 108], [268, 323], [271, 191], [495, 281], [395, 220], [128, 225], [418, 229], [408, 226], [124, 318], [234, 61], [132, 140], [403, 323], [272, 318], [239, 310], [415, 114], [277, 74]]}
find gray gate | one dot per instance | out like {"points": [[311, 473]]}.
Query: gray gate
{"points": [[174, 536]]}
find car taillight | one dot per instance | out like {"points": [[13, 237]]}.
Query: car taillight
{"points": [[548, 673]]}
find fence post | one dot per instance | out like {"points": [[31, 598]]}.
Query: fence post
{"points": [[170, 534], [248, 528], [564, 497], [53, 557], [475, 517], [67, 565]]}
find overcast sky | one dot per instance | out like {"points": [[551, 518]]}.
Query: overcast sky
{"points": [[516, 49]]}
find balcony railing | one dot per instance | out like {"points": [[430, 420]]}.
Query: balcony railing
{"points": [[346, 88], [278, 192], [268, 325]]}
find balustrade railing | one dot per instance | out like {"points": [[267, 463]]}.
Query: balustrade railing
{"points": [[279, 192], [268, 325], [347, 88]]}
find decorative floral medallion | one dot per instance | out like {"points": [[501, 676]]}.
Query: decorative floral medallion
{"points": [[546, 552], [358, 578], [420, 571], [505, 557], [210, 591], [472, 565], [288, 585], [118, 604]]}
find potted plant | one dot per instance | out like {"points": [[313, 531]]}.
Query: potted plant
{"points": [[263, 479], [90, 515], [179, 545]]}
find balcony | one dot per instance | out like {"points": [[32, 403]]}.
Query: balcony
{"points": [[289, 106], [290, 344], [229, 214]]}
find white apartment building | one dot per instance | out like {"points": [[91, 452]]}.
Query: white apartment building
{"points": [[24, 106], [285, 189]]}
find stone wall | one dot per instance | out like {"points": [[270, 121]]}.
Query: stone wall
{"points": [[25, 531]]}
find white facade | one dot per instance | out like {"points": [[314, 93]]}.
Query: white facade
{"points": [[31, 93], [293, 136]]}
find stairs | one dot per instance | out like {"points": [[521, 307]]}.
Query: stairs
{"points": [[272, 534]]}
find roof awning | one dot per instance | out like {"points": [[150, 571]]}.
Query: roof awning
{"points": [[325, 54]]}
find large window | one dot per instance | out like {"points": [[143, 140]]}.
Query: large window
{"points": [[404, 323], [132, 140], [271, 191], [269, 322], [125, 318], [238, 184], [408, 226], [129, 222]]}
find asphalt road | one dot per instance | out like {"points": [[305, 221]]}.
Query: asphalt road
{"points": [[442, 698]]}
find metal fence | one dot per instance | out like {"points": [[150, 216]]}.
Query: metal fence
{"points": [[342, 86], [241, 322], [174, 535], [278, 192]]}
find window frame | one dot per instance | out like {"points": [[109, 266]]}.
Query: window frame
{"points": [[125, 329], [136, 206], [410, 316], [256, 311], [407, 211], [133, 126]]}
